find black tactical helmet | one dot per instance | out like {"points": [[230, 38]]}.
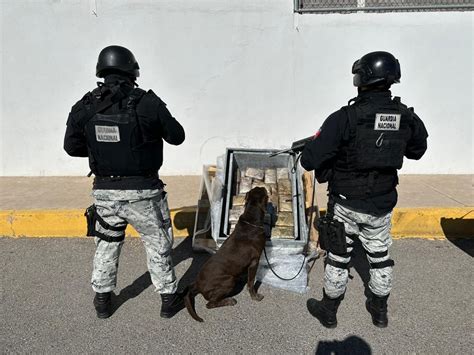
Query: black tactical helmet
{"points": [[116, 58], [380, 68]]}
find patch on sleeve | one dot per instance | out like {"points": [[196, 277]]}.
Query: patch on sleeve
{"points": [[387, 121], [108, 134]]}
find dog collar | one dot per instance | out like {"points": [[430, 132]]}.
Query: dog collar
{"points": [[253, 225]]}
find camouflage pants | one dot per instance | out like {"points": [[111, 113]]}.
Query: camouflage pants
{"points": [[374, 234], [147, 211]]}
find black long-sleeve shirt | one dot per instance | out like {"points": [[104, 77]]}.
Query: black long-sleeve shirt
{"points": [[156, 123], [319, 154]]}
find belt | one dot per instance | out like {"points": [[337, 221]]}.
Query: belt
{"points": [[121, 177]]}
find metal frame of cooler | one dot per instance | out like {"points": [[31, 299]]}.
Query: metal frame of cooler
{"points": [[259, 158], [202, 235]]}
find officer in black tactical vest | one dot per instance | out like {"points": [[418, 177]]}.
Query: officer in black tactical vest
{"points": [[121, 129], [358, 151]]}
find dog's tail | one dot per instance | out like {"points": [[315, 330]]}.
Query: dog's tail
{"points": [[190, 294]]}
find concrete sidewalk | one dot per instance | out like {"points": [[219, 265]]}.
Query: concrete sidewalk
{"points": [[53, 206]]}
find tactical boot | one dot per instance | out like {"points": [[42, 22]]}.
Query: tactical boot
{"points": [[325, 310], [377, 307], [103, 304], [171, 303]]}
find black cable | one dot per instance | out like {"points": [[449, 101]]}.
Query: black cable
{"points": [[274, 273], [293, 169], [309, 233]]}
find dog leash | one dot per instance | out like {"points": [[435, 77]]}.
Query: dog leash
{"points": [[274, 273], [268, 262], [307, 242], [266, 257]]}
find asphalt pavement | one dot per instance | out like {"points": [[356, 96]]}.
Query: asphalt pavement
{"points": [[46, 306]]}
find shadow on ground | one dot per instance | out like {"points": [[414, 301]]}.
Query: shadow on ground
{"points": [[350, 345], [185, 251], [131, 291], [361, 265], [184, 219], [182, 252], [460, 232]]}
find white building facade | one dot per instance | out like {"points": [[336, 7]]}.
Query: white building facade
{"points": [[234, 73]]}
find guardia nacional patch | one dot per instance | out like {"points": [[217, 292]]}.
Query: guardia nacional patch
{"points": [[387, 121], [108, 134]]}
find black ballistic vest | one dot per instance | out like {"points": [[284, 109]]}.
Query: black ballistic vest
{"points": [[117, 146], [368, 162]]}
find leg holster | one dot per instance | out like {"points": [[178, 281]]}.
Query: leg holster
{"points": [[332, 234], [92, 217]]}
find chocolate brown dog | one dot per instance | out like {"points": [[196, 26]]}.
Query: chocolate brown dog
{"points": [[240, 253]]}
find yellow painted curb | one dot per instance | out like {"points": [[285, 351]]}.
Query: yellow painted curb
{"points": [[433, 223], [430, 223], [72, 223]]}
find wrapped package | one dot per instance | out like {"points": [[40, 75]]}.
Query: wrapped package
{"points": [[235, 213], [284, 219], [285, 204], [270, 176], [273, 188], [238, 200], [273, 199], [284, 187], [282, 233], [254, 173], [283, 174], [245, 185]]}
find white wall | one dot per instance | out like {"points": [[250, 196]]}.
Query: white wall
{"points": [[234, 72]]}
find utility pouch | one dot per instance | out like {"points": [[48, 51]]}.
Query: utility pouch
{"points": [[91, 218], [332, 235]]}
